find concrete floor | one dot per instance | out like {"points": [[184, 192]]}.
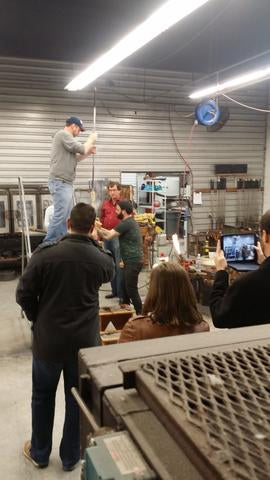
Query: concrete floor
{"points": [[15, 397], [15, 392]]}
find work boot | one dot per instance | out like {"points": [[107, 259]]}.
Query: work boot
{"points": [[27, 454]]}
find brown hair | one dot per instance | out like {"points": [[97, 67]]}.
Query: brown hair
{"points": [[112, 183], [171, 298], [265, 222]]}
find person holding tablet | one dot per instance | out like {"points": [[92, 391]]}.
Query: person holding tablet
{"points": [[246, 301]]}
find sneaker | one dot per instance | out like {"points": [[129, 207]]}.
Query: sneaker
{"points": [[110, 295], [27, 454]]}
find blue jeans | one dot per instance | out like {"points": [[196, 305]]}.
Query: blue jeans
{"points": [[45, 378], [117, 282], [62, 194]]}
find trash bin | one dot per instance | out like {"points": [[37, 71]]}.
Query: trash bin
{"points": [[173, 223]]}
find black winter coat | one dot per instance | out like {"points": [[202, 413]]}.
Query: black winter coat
{"points": [[246, 302], [58, 292]]}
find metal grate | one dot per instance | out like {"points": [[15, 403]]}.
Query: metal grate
{"points": [[227, 396]]}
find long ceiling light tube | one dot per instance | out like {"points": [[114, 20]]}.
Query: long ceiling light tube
{"points": [[232, 84], [167, 15]]}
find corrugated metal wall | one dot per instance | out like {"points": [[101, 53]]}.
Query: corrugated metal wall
{"points": [[136, 112], [266, 198]]}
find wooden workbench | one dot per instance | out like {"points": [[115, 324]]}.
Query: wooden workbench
{"points": [[118, 317]]}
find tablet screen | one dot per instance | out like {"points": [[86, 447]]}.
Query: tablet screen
{"points": [[239, 248]]}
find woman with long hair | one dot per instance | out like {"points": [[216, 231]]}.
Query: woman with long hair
{"points": [[170, 307]]}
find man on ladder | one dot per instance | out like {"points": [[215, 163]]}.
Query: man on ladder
{"points": [[65, 153]]}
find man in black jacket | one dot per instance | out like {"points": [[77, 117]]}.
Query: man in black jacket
{"points": [[59, 293], [246, 301]]}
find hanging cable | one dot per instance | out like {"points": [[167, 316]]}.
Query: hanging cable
{"points": [[92, 183], [244, 105], [187, 166]]}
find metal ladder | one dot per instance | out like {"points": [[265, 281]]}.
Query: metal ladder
{"points": [[26, 244]]}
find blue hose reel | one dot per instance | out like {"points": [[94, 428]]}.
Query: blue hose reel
{"points": [[207, 113]]}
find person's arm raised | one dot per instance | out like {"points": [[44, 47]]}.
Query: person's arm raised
{"points": [[220, 260], [260, 255], [106, 234], [89, 147]]}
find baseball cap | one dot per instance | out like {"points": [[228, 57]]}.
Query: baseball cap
{"points": [[77, 121]]}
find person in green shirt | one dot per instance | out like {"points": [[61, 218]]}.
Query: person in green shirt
{"points": [[131, 250]]}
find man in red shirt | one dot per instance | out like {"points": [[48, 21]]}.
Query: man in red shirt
{"points": [[109, 220]]}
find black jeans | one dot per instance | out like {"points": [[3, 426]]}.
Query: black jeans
{"points": [[131, 274], [45, 378]]}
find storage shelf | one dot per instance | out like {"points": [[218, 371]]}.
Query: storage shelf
{"points": [[157, 192], [152, 207], [155, 196], [229, 189]]}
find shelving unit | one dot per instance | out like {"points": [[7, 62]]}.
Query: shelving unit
{"points": [[172, 214], [152, 197]]}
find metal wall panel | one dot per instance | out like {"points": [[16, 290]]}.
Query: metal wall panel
{"points": [[137, 111]]}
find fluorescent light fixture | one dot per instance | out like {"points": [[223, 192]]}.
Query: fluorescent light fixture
{"points": [[166, 16], [232, 84]]}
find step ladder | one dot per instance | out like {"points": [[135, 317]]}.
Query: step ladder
{"points": [[26, 244]]}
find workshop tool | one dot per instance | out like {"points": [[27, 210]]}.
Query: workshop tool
{"points": [[220, 202], [178, 401], [212, 215]]}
